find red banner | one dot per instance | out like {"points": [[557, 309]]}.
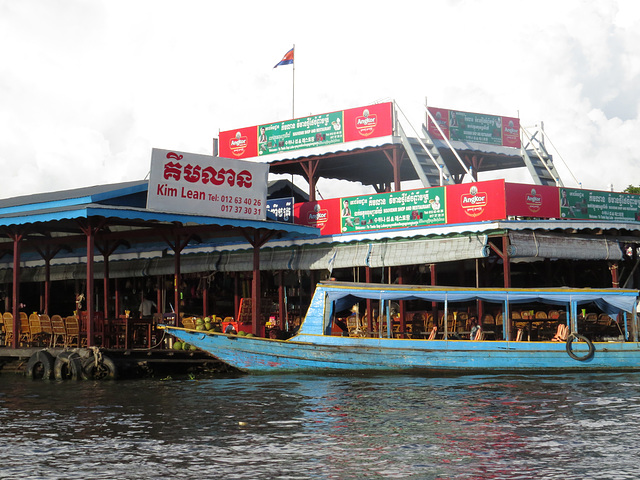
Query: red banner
{"points": [[368, 122], [240, 143], [475, 202], [541, 201], [322, 214]]}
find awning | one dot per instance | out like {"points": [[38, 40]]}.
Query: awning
{"points": [[574, 247], [387, 253]]}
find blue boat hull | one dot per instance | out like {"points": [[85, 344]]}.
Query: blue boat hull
{"points": [[309, 353]]}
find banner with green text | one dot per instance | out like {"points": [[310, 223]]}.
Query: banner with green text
{"points": [[411, 208], [475, 127], [598, 205]]}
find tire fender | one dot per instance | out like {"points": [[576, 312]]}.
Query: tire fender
{"points": [[586, 356], [68, 366], [40, 366], [105, 369]]}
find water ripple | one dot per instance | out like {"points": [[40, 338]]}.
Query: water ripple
{"points": [[335, 427]]}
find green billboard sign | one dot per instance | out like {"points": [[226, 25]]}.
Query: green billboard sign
{"points": [[475, 127], [598, 205], [412, 208], [299, 133]]}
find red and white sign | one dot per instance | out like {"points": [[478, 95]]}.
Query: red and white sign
{"points": [[475, 202], [368, 122], [541, 201], [203, 185], [322, 214]]}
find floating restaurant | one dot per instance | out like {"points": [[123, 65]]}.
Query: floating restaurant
{"points": [[230, 239]]}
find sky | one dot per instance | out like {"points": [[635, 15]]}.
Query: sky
{"points": [[89, 87]]}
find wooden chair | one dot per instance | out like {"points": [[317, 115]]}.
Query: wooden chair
{"points": [[58, 330], [72, 327], [35, 329], [45, 323], [8, 328], [354, 327], [25, 331], [417, 325], [487, 319], [604, 319]]}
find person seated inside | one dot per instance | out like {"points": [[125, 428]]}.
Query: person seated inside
{"points": [[473, 323]]}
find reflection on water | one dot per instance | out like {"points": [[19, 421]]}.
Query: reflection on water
{"points": [[312, 427]]}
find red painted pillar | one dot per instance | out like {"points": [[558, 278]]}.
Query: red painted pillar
{"points": [[255, 291], [90, 305], [16, 290]]}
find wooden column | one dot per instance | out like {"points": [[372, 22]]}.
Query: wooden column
{"points": [[395, 158], [205, 300], [90, 306], [257, 238], [367, 278], [16, 236], [282, 308], [615, 282], [310, 168], [47, 254]]}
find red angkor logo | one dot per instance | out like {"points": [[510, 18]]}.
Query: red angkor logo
{"points": [[238, 144], [317, 217], [533, 201], [473, 202], [366, 123]]}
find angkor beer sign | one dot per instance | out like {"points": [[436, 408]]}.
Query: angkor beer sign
{"points": [[475, 127], [476, 202], [203, 185], [314, 131]]}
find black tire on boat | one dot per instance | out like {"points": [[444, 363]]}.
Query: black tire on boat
{"points": [[68, 366], [40, 366], [581, 338], [105, 369]]}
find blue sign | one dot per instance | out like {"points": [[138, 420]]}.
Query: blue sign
{"points": [[280, 210]]}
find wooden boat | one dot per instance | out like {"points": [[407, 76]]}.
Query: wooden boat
{"points": [[320, 346]]}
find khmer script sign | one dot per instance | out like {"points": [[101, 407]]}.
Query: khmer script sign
{"points": [[204, 185]]}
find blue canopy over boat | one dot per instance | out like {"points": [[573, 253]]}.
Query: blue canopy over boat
{"points": [[610, 301]]}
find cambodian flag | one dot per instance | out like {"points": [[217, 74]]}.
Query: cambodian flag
{"points": [[287, 59]]}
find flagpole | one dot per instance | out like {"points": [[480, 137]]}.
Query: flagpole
{"points": [[293, 84]]}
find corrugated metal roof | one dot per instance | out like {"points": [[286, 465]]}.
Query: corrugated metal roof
{"points": [[78, 196]]}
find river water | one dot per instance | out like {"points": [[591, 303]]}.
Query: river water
{"points": [[322, 427]]}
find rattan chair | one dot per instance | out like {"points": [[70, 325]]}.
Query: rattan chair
{"points": [[35, 330], [59, 332], [47, 331], [72, 328], [8, 328], [25, 331]]}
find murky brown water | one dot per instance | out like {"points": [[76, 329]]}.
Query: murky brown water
{"points": [[309, 427]]}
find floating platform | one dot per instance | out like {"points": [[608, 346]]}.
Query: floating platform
{"points": [[106, 364]]}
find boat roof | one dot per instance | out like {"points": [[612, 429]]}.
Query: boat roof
{"points": [[608, 300]]}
